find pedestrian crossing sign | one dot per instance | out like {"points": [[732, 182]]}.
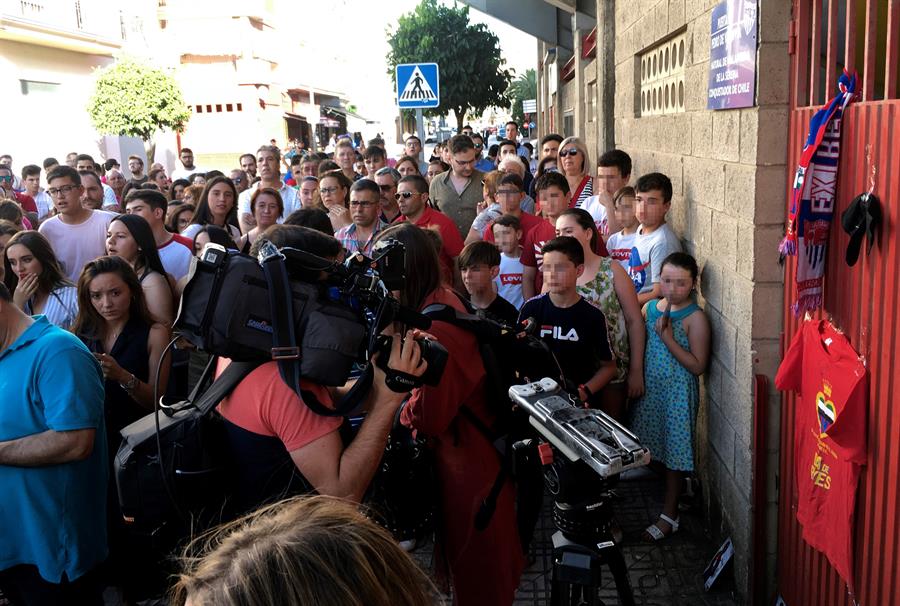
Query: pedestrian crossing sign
{"points": [[417, 86]]}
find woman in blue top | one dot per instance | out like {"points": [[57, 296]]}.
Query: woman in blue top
{"points": [[36, 280]]}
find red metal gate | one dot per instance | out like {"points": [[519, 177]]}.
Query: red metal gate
{"points": [[862, 301]]}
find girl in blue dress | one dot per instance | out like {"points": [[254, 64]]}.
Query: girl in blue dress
{"points": [[676, 355]]}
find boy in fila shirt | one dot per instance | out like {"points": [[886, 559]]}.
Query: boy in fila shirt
{"points": [[507, 231], [574, 329]]}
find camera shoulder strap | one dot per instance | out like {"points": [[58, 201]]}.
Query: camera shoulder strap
{"points": [[285, 349]]}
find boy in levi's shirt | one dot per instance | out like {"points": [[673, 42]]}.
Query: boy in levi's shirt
{"points": [[620, 243], [507, 232]]}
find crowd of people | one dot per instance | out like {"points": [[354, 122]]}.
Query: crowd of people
{"points": [[94, 261]]}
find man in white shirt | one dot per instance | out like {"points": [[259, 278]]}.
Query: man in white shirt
{"points": [[31, 179], [175, 251], [187, 165], [77, 234], [268, 160]]}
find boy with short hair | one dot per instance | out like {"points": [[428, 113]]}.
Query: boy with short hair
{"points": [[655, 239], [574, 329], [479, 264], [621, 242], [507, 231]]}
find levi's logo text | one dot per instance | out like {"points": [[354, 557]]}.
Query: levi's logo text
{"points": [[556, 332], [510, 279]]}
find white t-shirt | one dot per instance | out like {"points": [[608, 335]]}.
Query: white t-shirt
{"points": [[509, 280], [110, 202], [288, 196], [647, 255], [176, 255], [75, 245], [191, 231], [183, 173], [619, 246], [598, 212]]}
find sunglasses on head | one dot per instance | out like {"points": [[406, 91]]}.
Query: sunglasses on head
{"points": [[568, 152]]}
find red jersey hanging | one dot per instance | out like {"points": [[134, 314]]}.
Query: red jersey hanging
{"points": [[830, 437]]}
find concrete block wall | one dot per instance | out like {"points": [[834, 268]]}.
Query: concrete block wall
{"points": [[729, 174]]}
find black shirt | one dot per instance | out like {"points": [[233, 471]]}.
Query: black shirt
{"points": [[503, 311], [576, 335]]}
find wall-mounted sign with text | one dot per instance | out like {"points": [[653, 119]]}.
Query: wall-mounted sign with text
{"points": [[732, 55]]}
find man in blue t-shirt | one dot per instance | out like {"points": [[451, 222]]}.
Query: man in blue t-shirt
{"points": [[574, 329], [53, 463]]}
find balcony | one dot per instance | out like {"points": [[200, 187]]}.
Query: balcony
{"points": [[87, 26]]}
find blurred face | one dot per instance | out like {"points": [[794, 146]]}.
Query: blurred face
{"points": [[82, 165], [142, 209], [200, 241], [333, 194], [509, 197], [433, 171], [571, 159], [373, 164], [297, 173], [650, 209], [513, 165], [120, 242], [187, 158], [364, 207], [512, 132], [309, 169], [135, 165], [66, 195], [115, 180], [676, 283], [560, 273], [248, 165], [553, 201], [506, 238], [568, 226], [110, 296], [93, 193], [413, 147], [199, 180], [70, 159], [410, 201], [479, 144], [239, 178], [266, 212], [345, 157], [162, 181], [221, 201], [625, 211], [183, 219], [407, 168], [388, 189], [477, 278], [6, 179], [549, 149], [179, 192], [550, 167], [308, 193], [22, 262], [447, 155], [267, 164], [32, 184], [508, 150], [360, 167], [610, 179], [464, 163]]}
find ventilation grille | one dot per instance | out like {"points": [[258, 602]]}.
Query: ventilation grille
{"points": [[662, 78]]}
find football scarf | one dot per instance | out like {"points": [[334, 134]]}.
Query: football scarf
{"points": [[812, 197]]}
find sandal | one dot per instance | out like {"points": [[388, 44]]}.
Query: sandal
{"points": [[654, 532]]}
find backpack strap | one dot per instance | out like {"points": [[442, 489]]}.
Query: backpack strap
{"points": [[285, 349], [223, 385]]}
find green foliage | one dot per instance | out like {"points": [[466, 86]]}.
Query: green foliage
{"points": [[524, 87], [468, 56], [135, 99]]}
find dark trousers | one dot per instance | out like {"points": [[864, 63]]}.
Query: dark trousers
{"points": [[23, 585]]}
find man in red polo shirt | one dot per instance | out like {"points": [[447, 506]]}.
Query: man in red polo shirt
{"points": [[412, 197], [510, 193]]}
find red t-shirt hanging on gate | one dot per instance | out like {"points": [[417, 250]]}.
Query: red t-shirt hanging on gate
{"points": [[830, 436]]}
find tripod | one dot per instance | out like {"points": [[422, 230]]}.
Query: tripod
{"points": [[577, 572]]}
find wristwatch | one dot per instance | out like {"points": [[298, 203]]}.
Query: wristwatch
{"points": [[129, 385]]}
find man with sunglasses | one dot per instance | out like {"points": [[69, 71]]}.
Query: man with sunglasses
{"points": [[6, 191], [365, 203], [386, 178], [483, 164]]}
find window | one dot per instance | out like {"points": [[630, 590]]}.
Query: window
{"points": [[661, 88]]}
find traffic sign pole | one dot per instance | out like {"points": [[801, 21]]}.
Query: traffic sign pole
{"points": [[420, 127]]}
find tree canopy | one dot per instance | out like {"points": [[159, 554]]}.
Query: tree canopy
{"points": [[472, 71], [524, 87], [137, 100]]}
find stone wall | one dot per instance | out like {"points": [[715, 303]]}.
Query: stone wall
{"points": [[729, 177]]}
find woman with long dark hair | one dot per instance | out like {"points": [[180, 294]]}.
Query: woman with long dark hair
{"points": [[485, 565], [130, 237], [33, 275], [217, 206]]}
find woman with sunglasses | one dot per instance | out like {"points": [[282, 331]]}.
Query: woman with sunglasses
{"points": [[36, 280], [574, 162], [334, 187]]}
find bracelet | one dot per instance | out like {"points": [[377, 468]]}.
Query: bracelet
{"points": [[129, 385], [586, 390]]}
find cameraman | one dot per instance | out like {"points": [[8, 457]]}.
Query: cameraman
{"points": [[485, 565], [279, 446]]}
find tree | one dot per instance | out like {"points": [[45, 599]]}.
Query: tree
{"points": [[468, 56], [524, 87], [137, 100]]}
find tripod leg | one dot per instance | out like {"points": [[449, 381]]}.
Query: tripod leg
{"points": [[616, 562]]}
